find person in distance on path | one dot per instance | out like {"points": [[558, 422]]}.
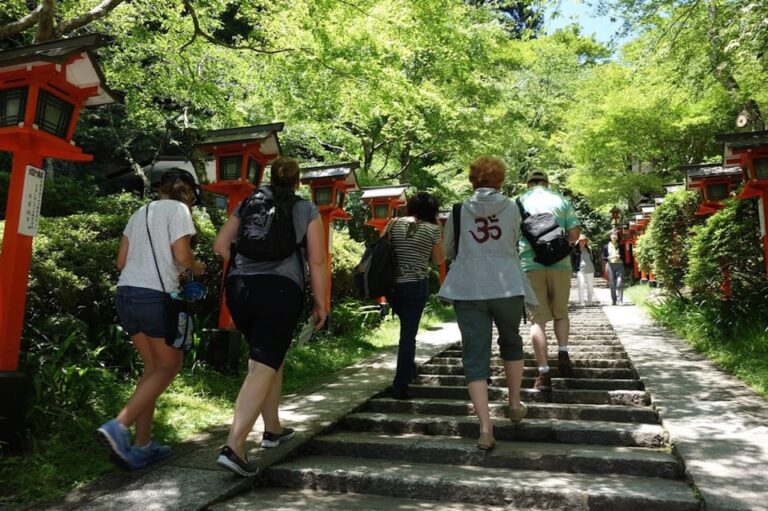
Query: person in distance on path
{"points": [[613, 259], [487, 285], [582, 264], [552, 283]]}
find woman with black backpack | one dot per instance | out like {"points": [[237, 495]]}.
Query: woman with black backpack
{"points": [[264, 287]]}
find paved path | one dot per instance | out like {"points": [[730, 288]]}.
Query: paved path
{"points": [[716, 424]]}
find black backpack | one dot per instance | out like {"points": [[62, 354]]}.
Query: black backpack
{"points": [[375, 274], [548, 240], [266, 230]]}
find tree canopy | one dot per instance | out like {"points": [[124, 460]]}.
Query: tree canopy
{"points": [[415, 89]]}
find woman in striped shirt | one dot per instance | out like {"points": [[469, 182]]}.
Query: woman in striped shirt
{"points": [[415, 239]]}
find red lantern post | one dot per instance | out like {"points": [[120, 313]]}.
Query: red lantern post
{"points": [[42, 90], [749, 151], [330, 184], [241, 155], [714, 182]]}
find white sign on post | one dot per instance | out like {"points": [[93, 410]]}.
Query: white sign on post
{"points": [[31, 200]]}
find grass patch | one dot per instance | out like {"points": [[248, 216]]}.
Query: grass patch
{"points": [[743, 352], [63, 455]]}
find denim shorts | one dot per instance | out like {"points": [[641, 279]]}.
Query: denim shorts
{"points": [[141, 311]]}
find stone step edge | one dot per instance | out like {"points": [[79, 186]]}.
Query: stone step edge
{"points": [[550, 430], [522, 455], [484, 486]]}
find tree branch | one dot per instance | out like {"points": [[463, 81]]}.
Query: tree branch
{"points": [[21, 25], [45, 29], [213, 40], [97, 12]]}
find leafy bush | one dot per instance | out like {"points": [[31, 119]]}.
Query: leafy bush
{"points": [[62, 195], [665, 247], [729, 246], [346, 254], [644, 252]]}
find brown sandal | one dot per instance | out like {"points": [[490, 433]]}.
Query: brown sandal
{"points": [[486, 441], [517, 414]]}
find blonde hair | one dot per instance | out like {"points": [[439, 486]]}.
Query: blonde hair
{"points": [[487, 172], [284, 172]]}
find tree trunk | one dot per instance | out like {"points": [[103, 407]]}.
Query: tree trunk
{"points": [[46, 30], [721, 68]]}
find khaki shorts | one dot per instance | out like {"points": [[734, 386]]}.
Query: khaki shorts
{"points": [[552, 288]]}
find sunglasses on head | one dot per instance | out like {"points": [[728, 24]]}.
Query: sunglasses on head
{"points": [[183, 176]]}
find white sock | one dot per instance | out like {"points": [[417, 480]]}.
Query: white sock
{"points": [[543, 369], [563, 348]]}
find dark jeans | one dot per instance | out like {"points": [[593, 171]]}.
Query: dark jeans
{"points": [[408, 303], [616, 281]]}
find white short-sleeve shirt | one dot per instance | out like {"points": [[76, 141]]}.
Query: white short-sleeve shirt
{"points": [[169, 220]]}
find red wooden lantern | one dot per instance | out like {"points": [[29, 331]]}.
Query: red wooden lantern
{"points": [[329, 185], [241, 155], [384, 202], [749, 151], [42, 90], [714, 182]]}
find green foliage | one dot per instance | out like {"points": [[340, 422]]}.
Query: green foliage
{"points": [[743, 351], [62, 195], [670, 237], [729, 246], [644, 252], [346, 255]]}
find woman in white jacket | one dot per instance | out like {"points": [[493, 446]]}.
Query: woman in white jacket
{"points": [[486, 284]]}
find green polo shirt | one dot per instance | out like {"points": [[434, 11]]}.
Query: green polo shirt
{"points": [[541, 199]]}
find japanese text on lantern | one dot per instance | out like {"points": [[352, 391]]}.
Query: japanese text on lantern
{"points": [[32, 199]]}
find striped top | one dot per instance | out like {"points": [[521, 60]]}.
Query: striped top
{"points": [[413, 242]]}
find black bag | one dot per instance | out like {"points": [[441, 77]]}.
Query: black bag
{"points": [[266, 225], [179, 327], [375, 274], [548, 240]]}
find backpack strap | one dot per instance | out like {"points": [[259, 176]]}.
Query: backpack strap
{"points": [[456, 227], [523, 212]]}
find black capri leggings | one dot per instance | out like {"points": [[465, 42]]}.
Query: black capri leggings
{"points": [[266, 309]]}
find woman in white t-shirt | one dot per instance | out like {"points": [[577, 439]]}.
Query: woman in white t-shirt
{"points": [[154, 250]]}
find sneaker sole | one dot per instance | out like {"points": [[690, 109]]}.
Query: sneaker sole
{"points": [[109, 443], [274, 443], [234, 467]]}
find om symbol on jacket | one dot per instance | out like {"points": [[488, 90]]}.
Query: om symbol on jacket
{"points": [[486, 230]]}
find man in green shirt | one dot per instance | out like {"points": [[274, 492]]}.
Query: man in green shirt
{"points": [[552, 283]]}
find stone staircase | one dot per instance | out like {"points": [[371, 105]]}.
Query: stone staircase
{"points": [[592, 443]]}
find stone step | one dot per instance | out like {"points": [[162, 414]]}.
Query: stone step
{"points": [[572, 458], [536, 410], [531, 362], [579, 372], [280, 499], [480, 485], [561, 383], [595, 397], [531, 430], [552, 350]]}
